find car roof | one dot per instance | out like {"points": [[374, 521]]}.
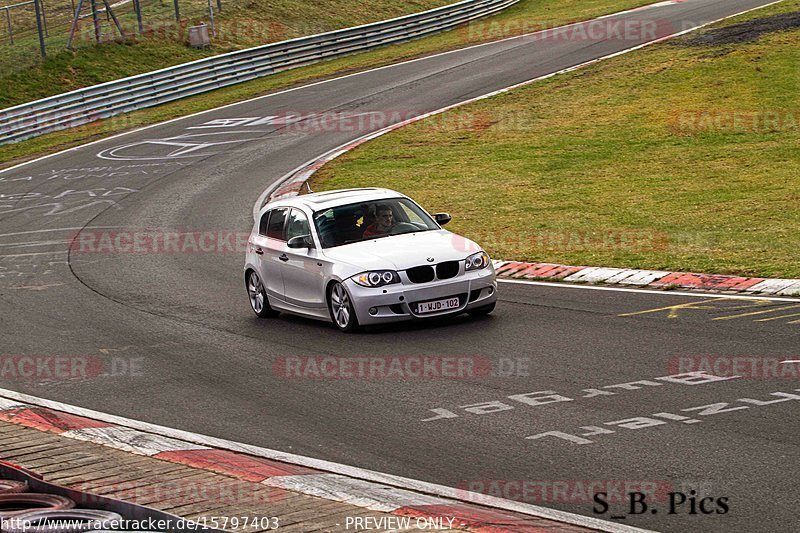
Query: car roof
{"points": [[324, 200]]}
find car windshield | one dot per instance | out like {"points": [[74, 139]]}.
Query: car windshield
{"points": [[361, 221]]}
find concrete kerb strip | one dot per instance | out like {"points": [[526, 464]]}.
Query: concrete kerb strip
{"points": [[291, 184], [364, 488]]}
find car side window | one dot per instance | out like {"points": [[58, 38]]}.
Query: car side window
{"points": [[277, 218], [297, 225], [262, 224]]}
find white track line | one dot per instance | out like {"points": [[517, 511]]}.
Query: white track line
{"points": [[54, 229], [345, 470], [33, 243], [36, 253]]}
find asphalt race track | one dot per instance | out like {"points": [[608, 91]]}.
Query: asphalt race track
{"points": [[184, 350]]}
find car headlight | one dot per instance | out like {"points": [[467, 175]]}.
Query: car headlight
{"points": [[377, 278], [477, 261]]}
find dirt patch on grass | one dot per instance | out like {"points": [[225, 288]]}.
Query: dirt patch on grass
{"points": [[744, 32]]}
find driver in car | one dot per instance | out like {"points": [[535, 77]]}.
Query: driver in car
{"points": [[384, 221]]}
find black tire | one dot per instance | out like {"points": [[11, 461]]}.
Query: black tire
{"points": [[257, 295], [340, 306], [13, 505], [482, 311], [9, 486]]}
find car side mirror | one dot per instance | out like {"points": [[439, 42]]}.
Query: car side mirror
{"points": [[442, 218], [301, 241]]}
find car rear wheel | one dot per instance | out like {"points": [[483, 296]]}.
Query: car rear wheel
{"points": [[341, 307], [258, 297], [482, 311]]}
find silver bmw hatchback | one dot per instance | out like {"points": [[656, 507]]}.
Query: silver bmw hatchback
{"points": [[359, 257]]}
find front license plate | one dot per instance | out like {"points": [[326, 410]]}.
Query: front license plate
{"points": [[438, 305]]}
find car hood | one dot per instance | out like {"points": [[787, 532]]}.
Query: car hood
{"points": [[399, 252]]}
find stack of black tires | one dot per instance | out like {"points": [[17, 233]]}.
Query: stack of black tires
{"points": [[28, 504]]}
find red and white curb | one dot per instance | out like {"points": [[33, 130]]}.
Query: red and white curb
{"points": [[656, 279], [332, 481]]}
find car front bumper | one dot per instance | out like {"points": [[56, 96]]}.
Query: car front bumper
{"points": [[397, 302]]}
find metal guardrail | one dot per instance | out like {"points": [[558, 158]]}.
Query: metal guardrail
{"points": [[82, 106]]}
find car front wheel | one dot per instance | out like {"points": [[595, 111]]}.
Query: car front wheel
{"points": [[341, 307], [258, 297]]}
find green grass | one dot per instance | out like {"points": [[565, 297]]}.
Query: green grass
{"points": [[113, 60], [604, 167]]}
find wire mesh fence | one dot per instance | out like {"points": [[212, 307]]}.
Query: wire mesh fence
{"points": [[232, 24], [159, 19]]}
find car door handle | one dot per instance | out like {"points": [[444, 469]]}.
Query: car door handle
{"points": [[259, 251], [283, 257]]}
